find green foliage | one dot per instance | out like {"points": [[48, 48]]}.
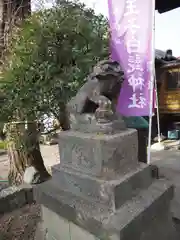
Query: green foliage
{"points": [[50, 57], [3, 145]]}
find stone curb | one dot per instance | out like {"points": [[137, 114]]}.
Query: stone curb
{"points": [[14, 197]]}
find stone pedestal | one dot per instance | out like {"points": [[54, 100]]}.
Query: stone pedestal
{"points": [[100, 191]]}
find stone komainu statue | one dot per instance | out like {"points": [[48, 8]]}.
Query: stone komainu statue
{"points": [[95, 101]]}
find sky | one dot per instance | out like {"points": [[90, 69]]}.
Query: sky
{"points": [[167, 33], [167, 29]]}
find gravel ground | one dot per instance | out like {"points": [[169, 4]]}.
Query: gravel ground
{"points": [[20, 224]]}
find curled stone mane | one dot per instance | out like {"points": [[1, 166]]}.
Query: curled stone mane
{"points": [[106, 68]]}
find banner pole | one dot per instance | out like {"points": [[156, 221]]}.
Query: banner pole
{"points": [[151, 83], [157, 105]]}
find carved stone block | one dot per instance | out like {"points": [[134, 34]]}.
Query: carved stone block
{"points": [[111, 193], [99, 154]]}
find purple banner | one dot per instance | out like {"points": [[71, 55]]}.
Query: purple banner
{"points": [[131, 24]]}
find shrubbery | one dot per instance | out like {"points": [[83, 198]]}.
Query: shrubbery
{"points": [[49, 58]]}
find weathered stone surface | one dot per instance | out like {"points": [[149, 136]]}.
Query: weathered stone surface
{"points": [[169, 167], [144, 207], [136, 218], [11, 198], [15, 197], [100, 191], [112, 193], [54, 222], [78, 233], [99, 154], [81, 212], [87, 123], [97, 96], [67, 230], [41, 232]]}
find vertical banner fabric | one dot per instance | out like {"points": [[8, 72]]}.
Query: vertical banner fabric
{"points": [[131, 26]]}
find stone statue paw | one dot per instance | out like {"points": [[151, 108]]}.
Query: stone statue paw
{"points": [[104, 112]]}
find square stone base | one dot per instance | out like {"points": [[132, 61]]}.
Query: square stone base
{"points": [[144, 217], [99, 155], [101, 192]]}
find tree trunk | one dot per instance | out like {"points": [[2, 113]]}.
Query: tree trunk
{"points": [[23, 151], [64, 122], [63, 118], [1, 28], [12, 13]]}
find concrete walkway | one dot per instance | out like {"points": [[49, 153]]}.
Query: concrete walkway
{"points": [[169, 166]]}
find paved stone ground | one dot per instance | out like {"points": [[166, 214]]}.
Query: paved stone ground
{"points": [[50, 155], [169, 166]]}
